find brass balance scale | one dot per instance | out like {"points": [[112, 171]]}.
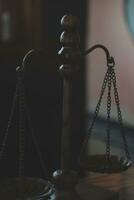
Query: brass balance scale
{"points": [[65, 180]]}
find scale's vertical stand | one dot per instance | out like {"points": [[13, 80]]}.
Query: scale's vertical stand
{"points": [[69, 40], [66, 180]]}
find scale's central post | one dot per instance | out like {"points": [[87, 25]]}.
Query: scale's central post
{"points": [[68, 53], [66, 179]]}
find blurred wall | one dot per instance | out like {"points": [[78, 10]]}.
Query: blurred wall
{"points": [[43, 83], [107, 25]]}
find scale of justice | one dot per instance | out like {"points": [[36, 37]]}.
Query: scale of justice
{"points": [[66, 183]]}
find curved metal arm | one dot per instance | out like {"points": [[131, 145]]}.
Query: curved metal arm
{"points": [[26, 57], [110, 59]]}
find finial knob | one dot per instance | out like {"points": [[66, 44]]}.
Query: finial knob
{"points": [[69, 22], [70, 46]]}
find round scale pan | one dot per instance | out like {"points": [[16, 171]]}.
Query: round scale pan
{"points": [[100, 164], [25, 189]]}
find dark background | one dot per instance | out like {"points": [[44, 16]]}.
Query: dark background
{"points": [[43, 86]]}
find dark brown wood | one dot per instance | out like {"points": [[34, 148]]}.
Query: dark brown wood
{"points": [[65, 179], [69, 52]]}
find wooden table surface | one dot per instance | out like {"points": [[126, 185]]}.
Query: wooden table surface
{"points": [[100, 184]]}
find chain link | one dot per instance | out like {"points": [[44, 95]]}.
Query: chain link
{"points": [[20, 93], [25, 110], [116, 95], [108, 131], [4, 141], [20, 75], [97, 109], [43, 166], [109, 78]]}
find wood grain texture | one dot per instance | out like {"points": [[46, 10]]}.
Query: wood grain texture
{"points": [[107, 186]]}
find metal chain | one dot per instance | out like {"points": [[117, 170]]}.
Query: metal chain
{"points": [[97, 109], [21, 122], [25, 110], [20, 92], [108, 131], [110, 78], [120, 114], [4, 141], [45, 171]]}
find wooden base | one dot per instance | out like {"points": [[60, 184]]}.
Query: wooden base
{"points": [[84, 191], [69, 188], [87, 191]]}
